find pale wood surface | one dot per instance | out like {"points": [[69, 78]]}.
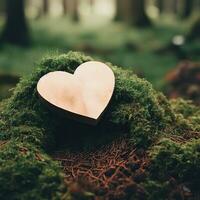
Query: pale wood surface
{"points": [[86, 93]]}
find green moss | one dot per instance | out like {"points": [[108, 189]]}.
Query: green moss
{"points": [[170, 159], [156, 190], [174, 167], [188, 113], [134, 102], [186, 108], [26, 173]]}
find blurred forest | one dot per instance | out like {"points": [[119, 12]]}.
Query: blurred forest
{"points": [[151, 37]]}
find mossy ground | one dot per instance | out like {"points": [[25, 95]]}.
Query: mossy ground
{"points": [[27, 173], [136, 111]]}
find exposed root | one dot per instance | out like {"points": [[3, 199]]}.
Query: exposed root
{"points": [[181, 139], [2, 143]]}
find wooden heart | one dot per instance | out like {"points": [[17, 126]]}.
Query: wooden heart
{"points": [[82, 96]]}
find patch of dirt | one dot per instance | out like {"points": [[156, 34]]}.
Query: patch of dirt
{"points": [[112, 172]]}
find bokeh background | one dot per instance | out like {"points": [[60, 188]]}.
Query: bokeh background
{"points": [[156, 39]]}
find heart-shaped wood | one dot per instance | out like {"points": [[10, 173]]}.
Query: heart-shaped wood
{"points": [[82, 96]]}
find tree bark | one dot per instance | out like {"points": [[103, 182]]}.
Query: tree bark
{"points": [[196, 5], [45, 7], [133, 12], [75, 14], [119, 13], [139, 17], [2, 7], [91, 2], [187, 8], [160, 5], [171, 6], [175, 6], [195, 31], [15, 30], [65, 6]]}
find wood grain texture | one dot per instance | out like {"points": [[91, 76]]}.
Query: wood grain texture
{"points": [[82, 96]]}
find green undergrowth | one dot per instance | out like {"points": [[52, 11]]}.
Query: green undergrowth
{"points": [[136, 110]]}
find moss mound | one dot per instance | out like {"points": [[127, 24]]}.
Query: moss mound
{"points": [[135, 105], [136, 111], [174, 171], [27, 173], [169, 159]]}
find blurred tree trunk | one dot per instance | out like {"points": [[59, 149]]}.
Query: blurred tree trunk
{"points": [[15, 30], [92, 2], [196, 5], [65, 6], [187, 8], [175, 6], [119, 13], [195, 31], [160, 4], [171, 6], [45, 7], [2, 7], [139, 17], [133, 12], [75, 14]]}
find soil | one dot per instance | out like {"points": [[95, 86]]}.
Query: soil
{"points": [[112, 172]]}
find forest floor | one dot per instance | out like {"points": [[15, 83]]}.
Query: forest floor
{"points": [[145, 147], [111, 172], [114, 172]]}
